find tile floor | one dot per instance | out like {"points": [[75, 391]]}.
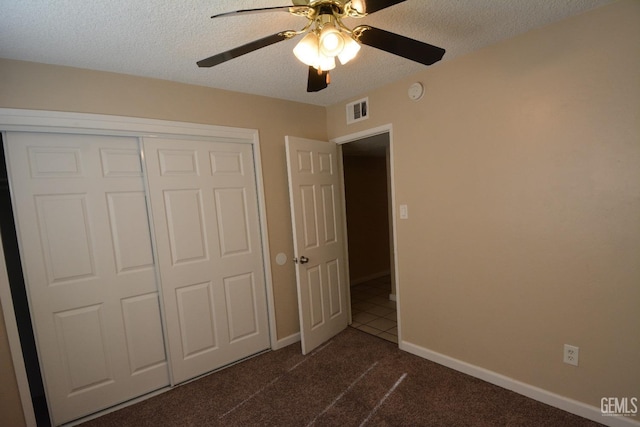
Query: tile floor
{"points": [[372, 311]]}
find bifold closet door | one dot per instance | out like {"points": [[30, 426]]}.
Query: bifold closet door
{"points": [[86, 251], [207, 229]]}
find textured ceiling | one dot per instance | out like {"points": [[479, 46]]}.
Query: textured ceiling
{"points": [[164, 39]]}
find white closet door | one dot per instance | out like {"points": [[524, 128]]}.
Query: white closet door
{"points": [[86, 252], [206, 222]]}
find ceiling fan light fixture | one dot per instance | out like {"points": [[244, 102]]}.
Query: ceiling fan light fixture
{"points": [[331, 40], [325, 63], [351, 49], [307, 50]]}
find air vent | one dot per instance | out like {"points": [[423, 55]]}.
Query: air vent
{"points": [[358, 111]]}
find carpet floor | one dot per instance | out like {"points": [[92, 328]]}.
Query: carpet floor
{"points": [[355, 379]]}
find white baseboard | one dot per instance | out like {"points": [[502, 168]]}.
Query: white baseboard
{"points": [[286, 341], [393, 297], [370, 277], [569, 405]]}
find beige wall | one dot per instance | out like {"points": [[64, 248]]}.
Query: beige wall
{"points": [[365, 181], [521, 170]]}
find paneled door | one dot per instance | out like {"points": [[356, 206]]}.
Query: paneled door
{"points": [[316, 209], [206, 221], [85, 245]]}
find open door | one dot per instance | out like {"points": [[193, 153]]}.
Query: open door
{"points": [[318, 239]]}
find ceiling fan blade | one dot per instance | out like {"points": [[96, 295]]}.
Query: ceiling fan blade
{"points": [[370, 6], [317, 81], [244, 49], [414, 50], [297, 9]]}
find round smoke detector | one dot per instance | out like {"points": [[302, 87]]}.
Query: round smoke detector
{"points": [[416, 91]]}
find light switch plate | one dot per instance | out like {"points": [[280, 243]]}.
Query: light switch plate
{"points": [[404, 212]]}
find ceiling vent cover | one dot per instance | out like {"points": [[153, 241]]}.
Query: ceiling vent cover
{"points": [[358, 111]]}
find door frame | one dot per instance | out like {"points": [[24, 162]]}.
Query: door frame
{"points": [[98, 124], [388, 129]]}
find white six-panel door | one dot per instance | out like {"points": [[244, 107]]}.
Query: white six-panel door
{"points": [[206, 222], [86, 251], [316, 209]]}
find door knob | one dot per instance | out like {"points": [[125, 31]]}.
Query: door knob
{"points": [[303, 260]]}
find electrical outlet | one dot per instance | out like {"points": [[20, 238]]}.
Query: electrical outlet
{"points": [[571, 353]]}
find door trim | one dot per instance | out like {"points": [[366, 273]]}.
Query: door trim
{"points": [[98, 124], [388, 128]]}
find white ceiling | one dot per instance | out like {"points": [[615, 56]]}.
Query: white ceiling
{"points": [[164, 39]]}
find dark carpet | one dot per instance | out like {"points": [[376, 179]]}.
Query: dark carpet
{"points": [[353, 380]]}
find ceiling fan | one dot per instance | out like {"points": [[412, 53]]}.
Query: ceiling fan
{"points": [[327, 37]]}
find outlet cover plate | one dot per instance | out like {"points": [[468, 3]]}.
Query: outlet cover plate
{"points": [[571, 353]]}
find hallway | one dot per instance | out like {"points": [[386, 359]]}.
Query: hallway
{"points": [[372, 311]]}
